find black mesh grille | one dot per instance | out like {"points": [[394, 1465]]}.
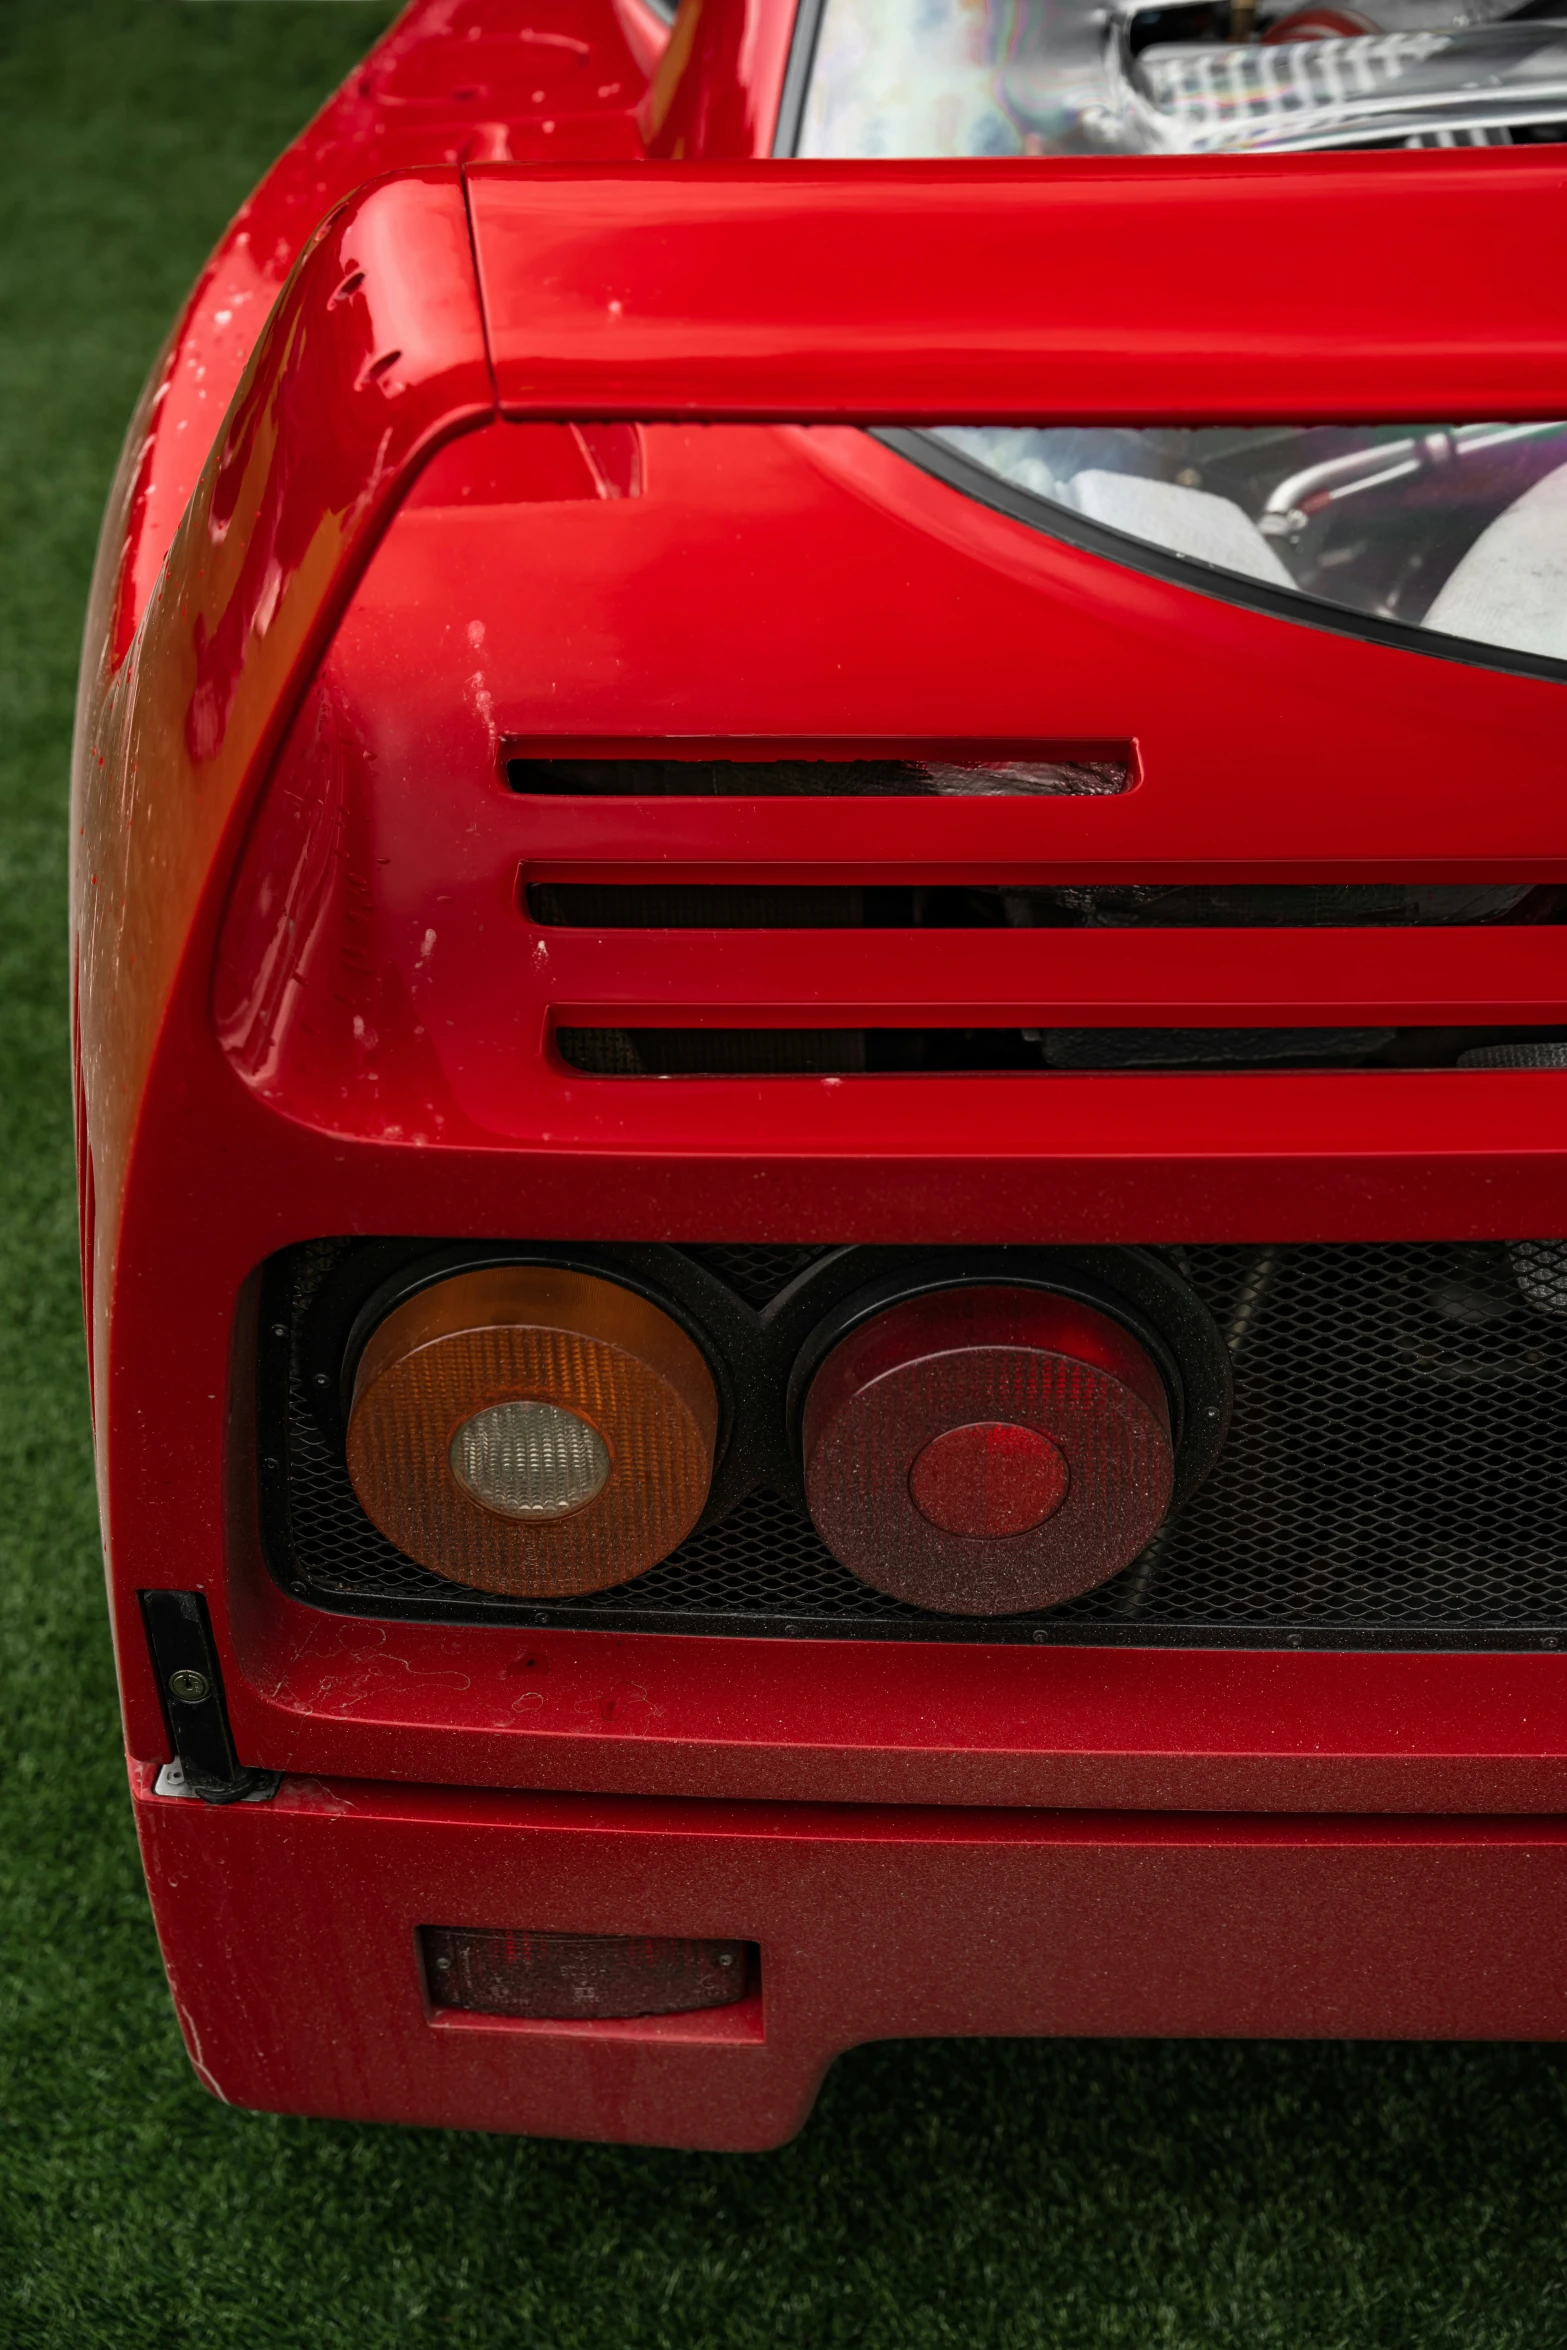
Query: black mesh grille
{"points": [[1395, 1475], [711, 1052], [755, 1270]]}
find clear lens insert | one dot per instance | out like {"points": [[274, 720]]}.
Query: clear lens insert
{"points": [[530, 1460], [1461, 529]]}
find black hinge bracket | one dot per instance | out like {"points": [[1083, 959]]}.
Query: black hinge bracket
{"points": [[185, 1661]]}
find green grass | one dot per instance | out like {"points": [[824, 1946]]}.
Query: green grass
{"points": [[992, 2197]]}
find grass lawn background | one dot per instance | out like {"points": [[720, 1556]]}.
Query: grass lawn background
{"points": [[999, 2195]]}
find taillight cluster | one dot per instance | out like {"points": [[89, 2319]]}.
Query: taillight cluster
{"points": [[971, 1445]]}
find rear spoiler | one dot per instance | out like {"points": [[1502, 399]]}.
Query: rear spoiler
{"points": [[1301, 288], [1221, 290]]}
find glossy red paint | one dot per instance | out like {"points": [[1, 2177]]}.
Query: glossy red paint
{"points": [[871, 1924], [716, 87], [311, 1001], [645, 29], [451, 80], [1027, 292], [374, 354], [1005, 979], [1332, 757]]}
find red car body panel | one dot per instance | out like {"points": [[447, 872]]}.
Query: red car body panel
{"points": [[297, 612], [877, 1923], [1021, 291]]}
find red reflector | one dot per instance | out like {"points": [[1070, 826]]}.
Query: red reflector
{"points": [[987, 1449], [489, 1971]]}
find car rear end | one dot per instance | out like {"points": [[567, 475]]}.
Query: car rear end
{"points": [[823, 1219]]}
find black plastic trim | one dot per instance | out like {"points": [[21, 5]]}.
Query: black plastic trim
{"points": [[797, 76], [190, 1688], [997, 1631]]}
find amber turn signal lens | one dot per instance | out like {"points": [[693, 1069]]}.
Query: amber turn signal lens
{"points": [[532, 1431], [985, 1450]]}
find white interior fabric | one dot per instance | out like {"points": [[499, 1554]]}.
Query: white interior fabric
{"points": [[1511, 587], [1187, 522]]}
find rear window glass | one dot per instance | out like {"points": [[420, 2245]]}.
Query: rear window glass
{"points": [[1460, 530]]}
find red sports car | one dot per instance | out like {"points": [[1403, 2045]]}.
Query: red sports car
{"points": [[821, 1039]]}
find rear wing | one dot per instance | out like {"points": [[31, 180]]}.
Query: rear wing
{"points": [[1232, 290]]}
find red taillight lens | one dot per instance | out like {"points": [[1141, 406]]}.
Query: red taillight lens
{"points": [[987, 1449]]}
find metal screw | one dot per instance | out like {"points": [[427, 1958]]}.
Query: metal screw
{"points": [[443, 1965], [726, 1958], [323, 1379], [280, 1329], [189, 1685]]}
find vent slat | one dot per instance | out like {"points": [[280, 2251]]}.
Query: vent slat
{"points": [[1459, 977], [1150, 834]]}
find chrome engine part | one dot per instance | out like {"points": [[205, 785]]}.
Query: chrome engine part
{"points": [[1064, 77]]}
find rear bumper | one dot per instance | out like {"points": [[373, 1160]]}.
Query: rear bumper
{"points": [[290, 1933]]}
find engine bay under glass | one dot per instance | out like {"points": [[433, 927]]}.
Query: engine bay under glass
{"points": [[1458, 529], [907, 78]]}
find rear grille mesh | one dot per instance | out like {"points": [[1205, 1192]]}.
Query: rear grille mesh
{"points": [[1396, 1475], [712, 1052]]}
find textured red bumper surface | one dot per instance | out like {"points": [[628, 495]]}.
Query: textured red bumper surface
{"points": [[290, 1933]]}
